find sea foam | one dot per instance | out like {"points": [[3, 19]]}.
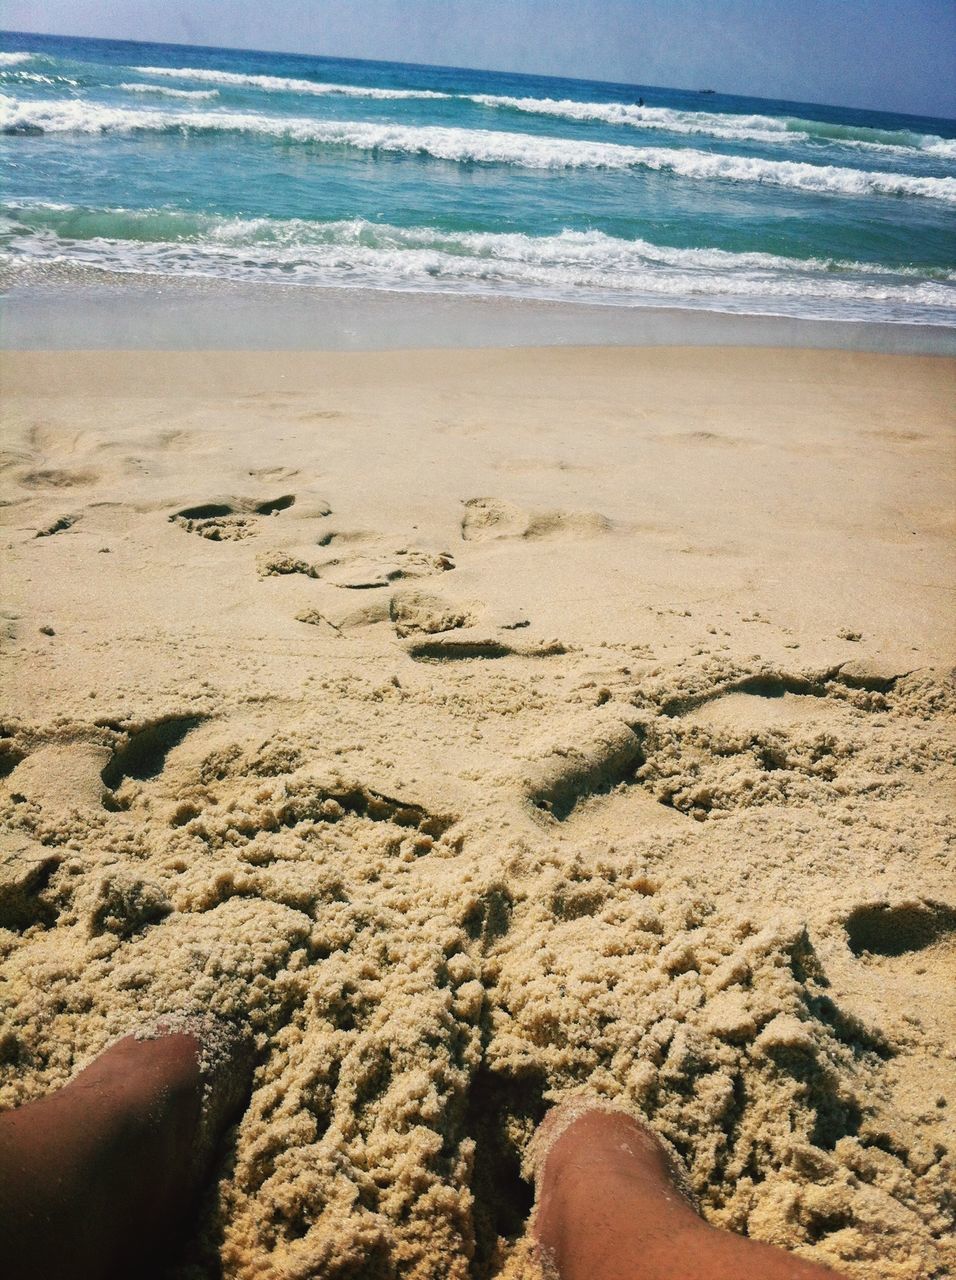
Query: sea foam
{"points": [[726, 125], [755, 127], [476, 146], [586, 266], [163, 91], [281, 84]]}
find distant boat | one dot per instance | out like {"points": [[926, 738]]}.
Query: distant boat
{"points": [[706, 90]]}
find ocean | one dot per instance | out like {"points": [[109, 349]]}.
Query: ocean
{"points": [[223, 164]]}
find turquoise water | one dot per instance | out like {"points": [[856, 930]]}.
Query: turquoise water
{"points": [[248, 166]]}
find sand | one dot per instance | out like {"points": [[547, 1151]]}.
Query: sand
{"points": [[486, 727]]}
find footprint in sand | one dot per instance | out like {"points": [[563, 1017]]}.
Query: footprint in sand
{"points": [[88, 771], [124, 903], [414, 612], [779, 695], [368, 572], [748, 742], [143, 753], [765, 739], [262, 785], [377, 561], [488, 518], [58, 524], [411, 613], [56, 478], [475, 643], [904, 956], [56, 777], [606, 751], [228, 519], [360, 561], [26, 867], [9, 618], [337, 620], [877, 930], [416, 615], [357, 572], [277, 564]]}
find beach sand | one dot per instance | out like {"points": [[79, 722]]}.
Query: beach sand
{"points": [[483, 727]]}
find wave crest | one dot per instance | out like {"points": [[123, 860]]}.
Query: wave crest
{"points": [[477, 146], [162, 90], [282, 84], [729, 126]]}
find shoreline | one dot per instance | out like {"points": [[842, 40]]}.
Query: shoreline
{"points": [[140, 312]]}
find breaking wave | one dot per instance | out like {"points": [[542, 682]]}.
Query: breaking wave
{"points": [[163, 91], [477, 146], [726, 125], [732, 127], [573, 265], [281, 84]]}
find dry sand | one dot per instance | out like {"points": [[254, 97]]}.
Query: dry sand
{"points": [[485, 727]]}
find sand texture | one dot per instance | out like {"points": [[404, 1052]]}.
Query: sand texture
{"points": [[486, 727]]}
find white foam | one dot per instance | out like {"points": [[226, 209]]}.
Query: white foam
{"points": [[730, 126], [34, 77], [754, 128], [727, 125], [582, 266], [281, 84], [944, 147], [58, 205], [165, 92], [475, 146]]}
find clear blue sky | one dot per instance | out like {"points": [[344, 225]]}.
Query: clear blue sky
{"points": [[897, 55]]}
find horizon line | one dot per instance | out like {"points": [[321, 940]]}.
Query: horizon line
{"points": [[440, 66]]}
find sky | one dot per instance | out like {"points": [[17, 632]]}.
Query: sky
{"points": [[891, 55]]}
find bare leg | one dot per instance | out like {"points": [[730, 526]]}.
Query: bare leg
{"points": [[610, 1206], [98, 1179]]}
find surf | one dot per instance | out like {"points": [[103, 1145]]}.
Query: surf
{"points": [[591, 265], [283, 84], [730, 126], [470, 146]]}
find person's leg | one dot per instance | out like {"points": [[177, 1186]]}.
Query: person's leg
{"points": [[97, 1178], [610, 1206]]}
